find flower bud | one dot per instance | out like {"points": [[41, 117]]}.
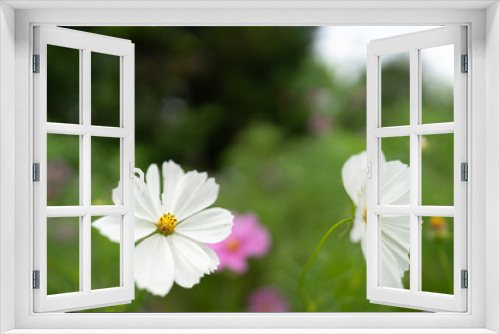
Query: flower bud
{"points": [[438, 228]]}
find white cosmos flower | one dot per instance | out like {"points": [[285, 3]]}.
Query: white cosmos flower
{"points": [[395, 230], [172, 228]]}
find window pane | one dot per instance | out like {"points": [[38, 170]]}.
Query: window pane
{"points": [[105, 169], [105, 89], [63, 155], [437, 169], [63, 84], [395, 89], [105, 252], [437, 84], [394, 248], [63, 255], [395, 172], [437, 254]]}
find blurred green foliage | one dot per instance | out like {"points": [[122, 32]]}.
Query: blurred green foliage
{"points": [[255, 108]]}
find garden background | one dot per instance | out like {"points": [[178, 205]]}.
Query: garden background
{"points": [[260, 111]]}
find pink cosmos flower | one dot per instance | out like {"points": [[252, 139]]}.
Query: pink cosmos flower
{"points": [[59, 172], [319, 124], [248, 239], [267, 299]]}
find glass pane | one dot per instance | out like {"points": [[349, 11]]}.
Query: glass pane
{"points": [[395, 171], [63, 156], [63, 85], [437, 169], [105, 89], [437, 84], [395, 89], [437, 254], [63, 255], [105, 169], [105, 258], [394, 252]]}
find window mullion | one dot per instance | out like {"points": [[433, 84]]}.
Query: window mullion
{"points": [[414, 172], [85, 156], [81, 181]]}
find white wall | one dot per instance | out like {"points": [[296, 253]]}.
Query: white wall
{"points": [[492, 164], [7, 160]]}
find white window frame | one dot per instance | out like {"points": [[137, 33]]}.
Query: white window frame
{"points": [[16, 21], [412, 44], [85, 44]]}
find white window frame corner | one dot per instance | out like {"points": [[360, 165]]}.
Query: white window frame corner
{"points": [[483, 19]]}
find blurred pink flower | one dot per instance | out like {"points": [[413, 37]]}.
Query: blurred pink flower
{"points": [[59, 172], [267, 299], [319, 124], [248, 239]]}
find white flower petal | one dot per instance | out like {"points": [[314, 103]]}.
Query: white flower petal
{"points": [[395, 247], [214, 259], [395, 183], [202, 198], [116, 194], [363, 247], [154, 265], [153, 180], [191, 262], [350, 175], [172, 175], [395, 229], [390, 275], [146, 206], [194, 193], [143, 228], [208, 226], [358, 230], [109, 226], [398, 229]]}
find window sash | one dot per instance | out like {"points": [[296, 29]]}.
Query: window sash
{"points": [[86, 43], [262, 15], [412, 43]]}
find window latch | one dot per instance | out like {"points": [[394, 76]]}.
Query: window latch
{"points": [[133, 170], [368, 171]]}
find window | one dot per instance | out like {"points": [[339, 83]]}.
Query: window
{"points": [[16, 161], [385, 208], [79, 132], [57, 283]]}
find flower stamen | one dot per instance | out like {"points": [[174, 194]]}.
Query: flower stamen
{"points": [[233, 245], [167, 223]]}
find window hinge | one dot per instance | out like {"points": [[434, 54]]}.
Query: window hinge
{"points": [[464, 172], [36, 172], [465, 279], [36, 279], [465, 64], [36, 63]]}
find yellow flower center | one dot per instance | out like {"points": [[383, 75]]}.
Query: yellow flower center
{"points": [[167, 223], [437, 223], [364, 216], [233, 245]]}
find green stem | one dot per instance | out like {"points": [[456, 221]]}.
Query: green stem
{"points": [[446, 266], [300, 283]]}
